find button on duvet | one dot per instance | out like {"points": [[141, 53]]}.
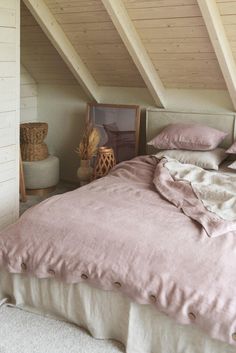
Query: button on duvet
{"points": [[192, 316], [23, 266], [153, 298], [84, 276], [51, 272], [117, 284]]}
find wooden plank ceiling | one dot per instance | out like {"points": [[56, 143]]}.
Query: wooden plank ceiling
{"points": [[38, 54], [92, 33], [177, 41], [227, 10], [173, 33]]}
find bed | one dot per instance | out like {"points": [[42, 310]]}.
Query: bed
{"points": [[142, 295]]}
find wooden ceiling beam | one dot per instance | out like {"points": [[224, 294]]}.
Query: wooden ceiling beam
{"points": [[136, 49], [219, 40], [59, 40]]}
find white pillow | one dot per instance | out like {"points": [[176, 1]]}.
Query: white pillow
{"points": [[232, 165], [204, 159]]}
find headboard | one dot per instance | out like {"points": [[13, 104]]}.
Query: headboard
{"points": [[157, 119]]}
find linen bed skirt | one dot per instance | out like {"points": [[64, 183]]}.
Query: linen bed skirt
{"points": [[107, 315]]}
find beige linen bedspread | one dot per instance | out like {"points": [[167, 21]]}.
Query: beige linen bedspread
{"points": [[216, 190]]}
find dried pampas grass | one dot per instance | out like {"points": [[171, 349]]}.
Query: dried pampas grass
{"points": [[89, 144]]}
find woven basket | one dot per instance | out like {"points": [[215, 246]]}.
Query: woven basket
{"points": [[105, 162], [33, 133], [31, 138], [32, 152]]}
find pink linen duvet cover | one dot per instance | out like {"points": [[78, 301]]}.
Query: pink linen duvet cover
{"points": [[139, 232]]}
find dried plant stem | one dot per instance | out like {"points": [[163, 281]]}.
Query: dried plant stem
{"points": [[89, 143]]}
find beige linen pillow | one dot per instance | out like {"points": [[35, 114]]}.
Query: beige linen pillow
{"points": [[232, 148], [232, 165], [204, 159]]}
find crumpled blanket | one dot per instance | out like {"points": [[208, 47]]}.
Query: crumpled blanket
{"points": [[217, 191], [203, 196]]}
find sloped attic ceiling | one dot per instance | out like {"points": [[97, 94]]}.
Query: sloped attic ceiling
{"points": [[93, 35], [228, 14], [124, 43], [38, 54], [173, 33], [176, 39]]}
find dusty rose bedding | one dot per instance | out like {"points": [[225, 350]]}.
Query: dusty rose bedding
{"points": [[119, 233]]}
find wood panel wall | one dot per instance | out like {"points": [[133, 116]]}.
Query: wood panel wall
{"points": [[28, 96], [9, 110], [93, 35]]}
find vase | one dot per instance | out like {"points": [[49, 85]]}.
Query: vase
{"points": [[105, 162], [85, 172]]}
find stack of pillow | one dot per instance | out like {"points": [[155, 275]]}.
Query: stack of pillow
{"points": [[193, 144]]}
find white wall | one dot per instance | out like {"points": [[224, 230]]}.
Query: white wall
{"points": [[9, 110], [126, 95], [180, 99], [64, 109], [28, 96], [199, 100]]}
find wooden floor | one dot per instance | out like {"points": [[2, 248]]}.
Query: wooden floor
{"points": [[33, 200]]}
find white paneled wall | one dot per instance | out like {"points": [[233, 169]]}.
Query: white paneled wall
{"points": [[9, 110], [29, 96]]}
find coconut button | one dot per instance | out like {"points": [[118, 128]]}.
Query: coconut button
{"points": [[192, 316], [23, 266], [84, 276], [153, 298], [117, 284], [51, 272], [234, 336]]}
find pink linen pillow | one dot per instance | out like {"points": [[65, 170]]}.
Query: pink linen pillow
{"points": [[232, 149], [188, 137]]}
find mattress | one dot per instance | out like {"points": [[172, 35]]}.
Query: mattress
{"points": [[107, 315]]}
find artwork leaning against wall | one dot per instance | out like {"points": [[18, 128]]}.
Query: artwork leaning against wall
{"points": [[118, 126]]}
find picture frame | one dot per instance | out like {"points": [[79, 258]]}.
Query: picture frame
{"points": [[119, 128]]}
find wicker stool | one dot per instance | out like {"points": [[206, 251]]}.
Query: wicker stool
{"points": [[32, 136]]}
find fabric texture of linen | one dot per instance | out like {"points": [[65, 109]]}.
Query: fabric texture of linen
{"points": [[216, 191], [232, 165], [204, 159], [119, 233], [232, 148], [108, 315], [188, 137]]}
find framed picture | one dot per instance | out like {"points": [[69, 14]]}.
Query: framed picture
{"points": [[118, 126]]}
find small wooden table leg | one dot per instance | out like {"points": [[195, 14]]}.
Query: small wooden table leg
{"points": [[23, 196]]}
